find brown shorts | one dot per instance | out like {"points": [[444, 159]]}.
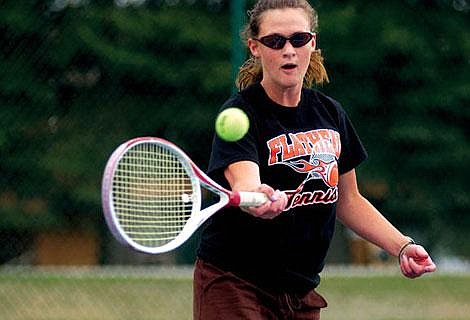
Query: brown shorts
{"points": [[223, 295]]}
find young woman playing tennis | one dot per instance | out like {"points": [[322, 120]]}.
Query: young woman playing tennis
{"points": [[264, 262]]}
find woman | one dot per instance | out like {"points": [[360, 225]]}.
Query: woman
{"points": [[264, 262]]}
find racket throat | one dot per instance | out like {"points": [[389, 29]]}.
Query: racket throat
{"points": [[234, 199]]}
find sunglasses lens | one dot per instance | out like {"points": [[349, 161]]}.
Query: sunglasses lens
{"points": [[300, 39], [274, 41]]}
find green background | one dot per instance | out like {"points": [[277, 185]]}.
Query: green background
{"points": [[80, 77]]}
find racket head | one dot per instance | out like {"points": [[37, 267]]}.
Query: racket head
{"points": [[150, 194]]}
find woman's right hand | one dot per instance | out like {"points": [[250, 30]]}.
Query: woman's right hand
{"points": [[244, 176], [273, 207]]}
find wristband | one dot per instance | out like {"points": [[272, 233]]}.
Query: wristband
{"points": [[410, 241]]}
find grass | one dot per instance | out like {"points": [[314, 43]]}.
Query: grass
{"points": [[93, 294], [394, 297]]}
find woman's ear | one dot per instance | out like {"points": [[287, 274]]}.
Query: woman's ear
{"points": [[314, 41], [253, 45]]}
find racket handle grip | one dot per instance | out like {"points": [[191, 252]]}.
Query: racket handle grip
{"points": [[252, 199]]}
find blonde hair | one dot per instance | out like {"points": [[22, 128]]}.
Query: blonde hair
{"points": [[251, 71]]}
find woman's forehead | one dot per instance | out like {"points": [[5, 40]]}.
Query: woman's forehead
{"points": [[284, 21]]}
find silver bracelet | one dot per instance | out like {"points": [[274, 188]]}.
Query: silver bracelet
{"points": [[410, 241]]}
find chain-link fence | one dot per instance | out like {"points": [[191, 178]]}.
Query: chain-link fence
{"points": [[95, 293], [77, 78]]}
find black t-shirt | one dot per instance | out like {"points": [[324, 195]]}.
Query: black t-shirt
{"points": [[301, 151]]}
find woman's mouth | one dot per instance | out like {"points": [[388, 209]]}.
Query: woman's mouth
{"points": [[289, 66]]}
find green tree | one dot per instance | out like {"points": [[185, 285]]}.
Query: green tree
{"points": [[78, 81], [78, 78], [401, 69]]}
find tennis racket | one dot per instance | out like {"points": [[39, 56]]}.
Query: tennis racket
{"points": [[152, 195]]}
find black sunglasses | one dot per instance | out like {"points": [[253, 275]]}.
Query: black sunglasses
{"points": [[276, 41]]}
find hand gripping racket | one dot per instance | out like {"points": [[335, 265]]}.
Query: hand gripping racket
{"points": [[151, 195]]}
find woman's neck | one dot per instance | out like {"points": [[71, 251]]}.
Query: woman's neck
{"points": [[288, 97]]}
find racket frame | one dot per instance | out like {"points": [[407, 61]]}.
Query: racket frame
{"points": [[198, 179]]}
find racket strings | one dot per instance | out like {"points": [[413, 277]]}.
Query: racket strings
{"points": [[152, 195]]}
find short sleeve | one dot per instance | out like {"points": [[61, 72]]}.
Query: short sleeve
{"points": [[353, 152], [225, 153]]}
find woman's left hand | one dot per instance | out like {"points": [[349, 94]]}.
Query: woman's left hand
{"points": [[415, 261]]}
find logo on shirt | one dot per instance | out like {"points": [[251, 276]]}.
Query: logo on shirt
{"points": [[313, 154]]}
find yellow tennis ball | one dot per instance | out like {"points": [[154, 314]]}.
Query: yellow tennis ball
{"points": [[232, 124]]}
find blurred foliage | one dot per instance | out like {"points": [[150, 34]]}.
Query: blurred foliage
{"points": [[401, 69], [80, 77], [79, 81]]}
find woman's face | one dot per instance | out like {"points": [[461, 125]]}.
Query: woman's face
{"points": [[283, 68]]}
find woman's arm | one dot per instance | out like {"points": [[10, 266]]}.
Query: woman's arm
{"points": [[244, 176], [358, 214]]}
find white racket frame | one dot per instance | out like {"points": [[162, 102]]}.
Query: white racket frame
{"points": [[198, 179]]}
